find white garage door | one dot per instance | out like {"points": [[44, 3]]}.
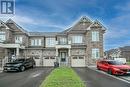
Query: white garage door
{"points": [[49, 61], [78, 62], [37, 61]]}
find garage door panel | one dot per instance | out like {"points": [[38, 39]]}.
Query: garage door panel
{"points": [[49, 61], [37, 61], [78, 62]]}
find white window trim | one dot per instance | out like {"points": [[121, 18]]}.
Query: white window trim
{"points": [[95, 53], [36, 42], [63, 40], [18, 39], [2, 36], [95, 35], [50, 42], [77, 39]]}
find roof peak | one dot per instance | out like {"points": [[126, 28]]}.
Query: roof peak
{"points": [[10, 21], [85, 19]]}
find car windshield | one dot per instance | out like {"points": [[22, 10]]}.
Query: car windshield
{"points": [[115, 62], [19, 60]]}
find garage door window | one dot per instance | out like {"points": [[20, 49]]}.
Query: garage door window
{"points": [[49, 57], [78, 57], [46, 57], [81, 57], [74, 57], [52, 57]]}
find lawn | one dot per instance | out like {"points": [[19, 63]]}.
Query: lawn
{"points": [[62, 77], [128, 63]]}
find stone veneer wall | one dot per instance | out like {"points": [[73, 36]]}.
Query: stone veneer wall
{"points": [[91, 44]]}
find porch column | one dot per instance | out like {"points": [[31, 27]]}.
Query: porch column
{"points": [[69, 52], [69, 58], [56, 52], [58, 59], [6, 56], [17, 52]]}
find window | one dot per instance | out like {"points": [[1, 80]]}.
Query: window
{"points": [[36, 42], [77, 39], [63, 40], [50, 42], [95, 36], [18, 39], [95, 53], [2, 36]]}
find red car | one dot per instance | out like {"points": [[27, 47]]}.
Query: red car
{"points": [[113, 67]]}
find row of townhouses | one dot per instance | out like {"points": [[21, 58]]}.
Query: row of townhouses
{"points": [[120, 52], [78, 46]]}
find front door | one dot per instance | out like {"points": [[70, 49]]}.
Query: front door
{"points": [[63, 56]]}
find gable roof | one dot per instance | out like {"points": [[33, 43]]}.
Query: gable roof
{"points": [[3, 25], [82, 24], [10, 21], [125, 48], [96, 23], [85, 24]]}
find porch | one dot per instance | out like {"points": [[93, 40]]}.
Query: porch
{"points": [[63, 54]]}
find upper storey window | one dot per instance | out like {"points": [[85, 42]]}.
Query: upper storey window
{"points": [[77, 39], [63, 40], [50, 42], [95, 35], [36, 42], [2, 36], [18, 39]]}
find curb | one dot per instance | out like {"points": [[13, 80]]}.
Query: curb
{"points": [[102, 72], [124, 79]]}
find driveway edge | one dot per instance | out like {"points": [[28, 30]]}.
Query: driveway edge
{"points": [[118, 78]]}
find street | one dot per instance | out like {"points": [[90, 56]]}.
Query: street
{"points": [[93, 78], [28, 78]]}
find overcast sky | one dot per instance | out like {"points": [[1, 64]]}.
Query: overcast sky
{"points": [[57, 15]]}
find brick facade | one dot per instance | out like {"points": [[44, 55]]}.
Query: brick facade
{"points": [[84, 28]]}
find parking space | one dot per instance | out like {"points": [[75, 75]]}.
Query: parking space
{"points": [[28, 78], [95, 78]]}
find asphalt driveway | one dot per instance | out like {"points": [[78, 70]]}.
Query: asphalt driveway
{"points": [[28, 78], [95, 79]]}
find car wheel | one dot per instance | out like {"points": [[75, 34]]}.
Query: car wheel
{"points": [[4, 71], [98, 68], [33, 66], [110, 71], [22, 68]]}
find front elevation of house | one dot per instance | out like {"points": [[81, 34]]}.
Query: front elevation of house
{"points": [[78, 46]]}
